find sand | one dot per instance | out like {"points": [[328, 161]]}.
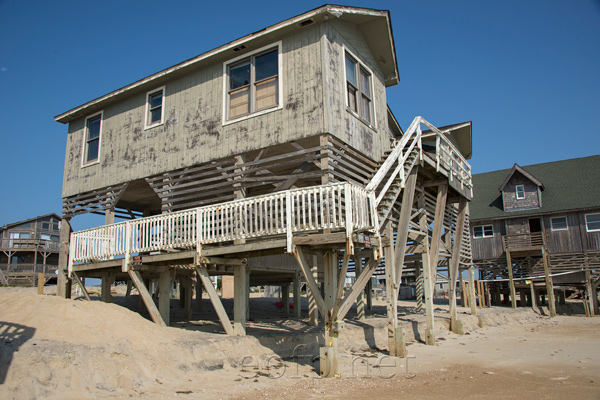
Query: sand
{"points": [[51, 348]]}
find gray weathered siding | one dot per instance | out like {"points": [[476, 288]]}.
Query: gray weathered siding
{"points": [[193, 131], [490, 247], [532, 194]]}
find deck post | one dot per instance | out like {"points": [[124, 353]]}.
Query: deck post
{"points": [[436, 235], [297, 297], [107, 281], [427, 278], [360, 300], [391, 294], [549, 285], [472, 297], [198, 293], [214, 298], [590, 293], [240, 299], [533, 295], [419, 288], [186, 285], [313, 310], [164, 295], [285, 299], [511, 282], [63, 280], [329, 353], [455, 325]]}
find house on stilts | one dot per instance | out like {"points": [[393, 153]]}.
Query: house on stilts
{"points": [[273, 159]]}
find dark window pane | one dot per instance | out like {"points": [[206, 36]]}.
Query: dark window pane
{"points": [[365, 109], [45, 225], [265, 66], [93, 150], [93, 128], [239, 75], [155, 115], [478, 231], [488, 230], [365, 85], [156, 100], [593, 222], [351, 71], [352, 98]]}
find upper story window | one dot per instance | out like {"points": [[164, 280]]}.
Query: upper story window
{"points": [[358, 89], [559, 223], [483, 231], [253, 83], [155, 110], [92, 137], [520, 189], [592, 222]]}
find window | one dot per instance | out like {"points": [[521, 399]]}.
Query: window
{"points": [[520, 192], [483, 231], [592, 222], [93, 127], [154, 107], [559, 223], [45, 236], [358, 89], [253, 84]]}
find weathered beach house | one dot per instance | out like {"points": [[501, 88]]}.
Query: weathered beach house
{"points": [[273, 158]]}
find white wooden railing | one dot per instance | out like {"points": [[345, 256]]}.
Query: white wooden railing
{"points": [[334, 206]]}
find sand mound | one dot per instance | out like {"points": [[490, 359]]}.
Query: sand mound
{"points": [[51, 346]]}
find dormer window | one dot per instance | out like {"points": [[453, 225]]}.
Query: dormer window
{"points": [[520, 189]]}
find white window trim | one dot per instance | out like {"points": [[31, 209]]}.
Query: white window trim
{"points": [[561, 229], [225, 112], [84, 140], [162, 110], [517, 191], [483, 235], [373, 123], [586, 223]]}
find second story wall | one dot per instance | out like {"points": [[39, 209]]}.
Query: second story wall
{"points": [[194, 128], [520, 193]]}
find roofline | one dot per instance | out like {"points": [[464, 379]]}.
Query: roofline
{"points": [[327, 8], [30, 219], [524, 173], [539, 214]]}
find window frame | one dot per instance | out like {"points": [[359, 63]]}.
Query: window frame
{"points": [[517, 191], [149, 109], [360, 67], [250, 56], [483, 234], [586, 223], [85, 146], [553, 229]]}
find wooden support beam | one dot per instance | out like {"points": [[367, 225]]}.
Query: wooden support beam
{"points": [[419, 287], [436, 235], [41, 280], [198, 293], [360, 300], [240, 299], [533, 295], [313, 310], [341, 281], [453, 268], [472, 296], [214, 298], [393, 332], [63, 281], [146, 297], [107, 281], [358, 286], [405, 216], [310, 280], [296, 294], [549, 285], [591, 296], [164, 296], [285, 299], [82, 286], [511, 282], [186, 285]]}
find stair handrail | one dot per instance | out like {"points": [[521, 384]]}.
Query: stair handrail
{"points": [[412, 131]]}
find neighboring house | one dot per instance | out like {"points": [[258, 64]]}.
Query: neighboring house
{"points": [[524, 212], [278, 142], [27, 248]]}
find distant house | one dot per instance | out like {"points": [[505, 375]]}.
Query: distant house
{"points": [[28, 248], [523, 213]]}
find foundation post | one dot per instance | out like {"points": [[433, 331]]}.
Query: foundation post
{"points": [[313, 310], [107, 282], [533, 295], [511, 282], [240, 299], [419, 288], [198, 293], [164, 296], [360, 300], [63, 281], [390, 293], [41, 279], [472, 297], [329, 354], [590, 293], [549, 286], [297, 298], [285, 299]]}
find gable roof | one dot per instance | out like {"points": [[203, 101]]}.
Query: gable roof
{"points": [[8, 226], [527, 175], [461, 135], [374, 25], [569, 185]]}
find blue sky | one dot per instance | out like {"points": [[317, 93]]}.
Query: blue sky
{"points": [[527, 73]]}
